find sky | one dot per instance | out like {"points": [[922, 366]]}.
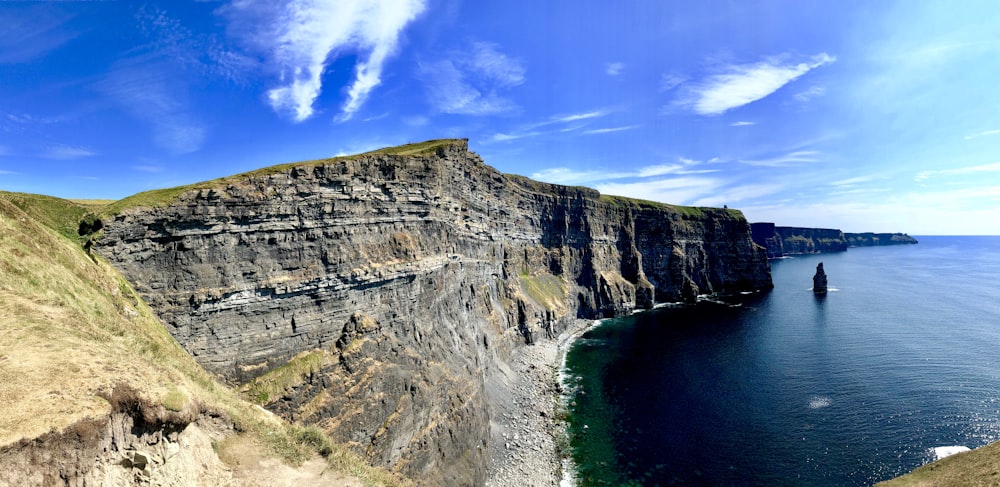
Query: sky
{"points": [[859, 115]]}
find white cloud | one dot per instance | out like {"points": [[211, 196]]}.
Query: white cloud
{"points": [[573, 117], [741, 84], [737, 194], [812, 92], [683, 190], [65, 152], [564, 175], [994, 167], [6, 172], [614, 69], [304, 36], [790, 159], [610, 130], [501, 137], [467, 83], [855, 180], [742, 123], [984, 133]]}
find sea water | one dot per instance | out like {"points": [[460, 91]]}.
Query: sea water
{"points": [[896, 366]]}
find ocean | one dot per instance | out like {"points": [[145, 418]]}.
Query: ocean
{"points": [[902, 357]]}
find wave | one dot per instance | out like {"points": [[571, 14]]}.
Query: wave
{"points": [[817, 402], [940, 452]]}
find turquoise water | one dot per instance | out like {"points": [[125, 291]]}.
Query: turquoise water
{"points": [[786, 388]]}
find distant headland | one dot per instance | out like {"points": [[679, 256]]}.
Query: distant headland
{"points": [[782, 241]]}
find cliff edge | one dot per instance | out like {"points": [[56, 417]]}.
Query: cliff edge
{"points": [[380, 296]]}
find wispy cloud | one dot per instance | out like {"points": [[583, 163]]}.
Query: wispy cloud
{"points": [[740, 84], [809, 94], [32, 33], [742, 123], [564, 175], [670, 81], [609, 130], [614, 69], [532, 129], [303, 36], [575, 117], [141, 87], [994, 167], [984, 133], [469, 83], [168, 37], [148, 168], [740, 193], [855, 180], [789, 159], [66, 152], [6, 172], [682, 190]]}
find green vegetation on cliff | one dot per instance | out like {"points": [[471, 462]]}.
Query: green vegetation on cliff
{"points": [[979, 467], [164, 197], [75, 331]]}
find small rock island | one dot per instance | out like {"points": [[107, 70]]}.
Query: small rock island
{"points": [[819, 280]]}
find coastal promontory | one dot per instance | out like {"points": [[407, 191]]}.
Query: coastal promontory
{"points": [[381, 296]]}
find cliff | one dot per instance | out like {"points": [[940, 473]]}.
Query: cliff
{"points": [[781, 241], [870, 239], [96, 392], [380, 296]]}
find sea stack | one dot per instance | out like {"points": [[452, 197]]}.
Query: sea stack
{"points": [[819, 280]]}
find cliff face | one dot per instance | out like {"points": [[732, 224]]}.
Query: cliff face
{"points": [[376, 295], [781, 241], [870, 239]]}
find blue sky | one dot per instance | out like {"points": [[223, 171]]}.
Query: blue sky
{"points": [[859, 115]]}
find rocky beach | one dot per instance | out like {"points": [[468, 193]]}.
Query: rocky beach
{"points": [[527, 429]]}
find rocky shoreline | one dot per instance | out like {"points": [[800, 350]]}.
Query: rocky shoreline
{"points": [[526, 430]]}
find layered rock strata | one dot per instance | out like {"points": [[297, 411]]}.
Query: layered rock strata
{"points": [[377, 295]]}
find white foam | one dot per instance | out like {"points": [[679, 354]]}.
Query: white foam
{"points": [[817, 402], [944, 451]]}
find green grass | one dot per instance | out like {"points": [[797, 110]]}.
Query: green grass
{"points": [[689, 211], [277, 382], [61, 215], [979, 467], [164, 197], [545, 289]]}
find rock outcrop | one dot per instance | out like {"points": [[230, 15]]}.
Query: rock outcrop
{"points": [[782, 241], [137, 444], [870, 239], [819, 280], [388, 289]]}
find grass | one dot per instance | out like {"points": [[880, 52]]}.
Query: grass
{"points": [[545, 289], [74, 329], [61, 215], [164, 197], [688, 211], [979, 467], [277, 382]]}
